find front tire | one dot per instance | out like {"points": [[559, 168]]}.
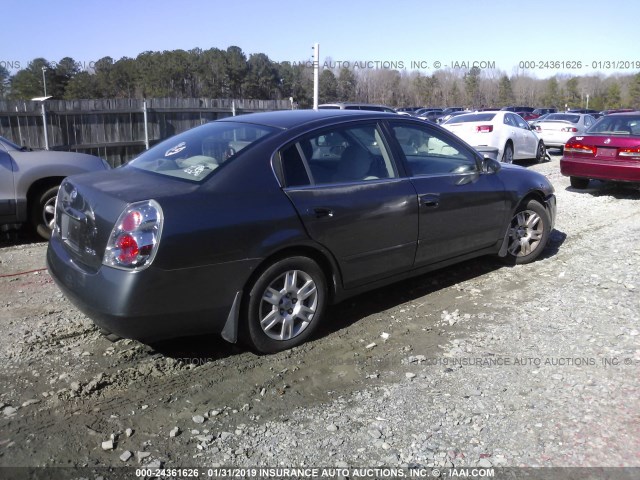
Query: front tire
{"points": [[507, 155], [285, 305], [43, 211], [528, 233], [579, 183]]}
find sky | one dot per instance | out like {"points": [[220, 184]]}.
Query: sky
{"points": [[541, 36]]}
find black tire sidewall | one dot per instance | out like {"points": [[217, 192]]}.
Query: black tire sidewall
{"points": [[508, 146], [253, 333], [540, 154], [538, 208], [37, 208], [579, 183]]}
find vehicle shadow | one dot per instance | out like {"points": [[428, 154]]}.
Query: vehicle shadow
{"points": [[617, 190], [11, 237], [207, 348]]}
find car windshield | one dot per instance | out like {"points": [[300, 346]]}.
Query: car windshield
{"points": [[562, 117], [617, 125], [472, 117], [196, 153], [6, 143]]}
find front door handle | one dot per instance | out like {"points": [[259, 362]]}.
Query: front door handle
{"points": [[320, 212], [430, 200]]}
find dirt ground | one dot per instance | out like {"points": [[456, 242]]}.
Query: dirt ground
{"points": [[67, 391]]}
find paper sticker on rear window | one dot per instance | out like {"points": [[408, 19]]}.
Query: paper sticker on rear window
{"points": [[177, 149]]}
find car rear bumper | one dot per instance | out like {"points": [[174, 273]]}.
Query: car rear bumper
{"points": [[601, 170], [152, 304]]}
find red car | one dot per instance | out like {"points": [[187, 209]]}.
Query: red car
{"points": [[609, 150]]}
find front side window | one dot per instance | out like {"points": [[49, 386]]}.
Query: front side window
{"points": [[337, 155], [197, 153], [430, 153]]}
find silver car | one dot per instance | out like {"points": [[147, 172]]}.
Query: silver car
{"points": [[557, 128], [29, 182]]}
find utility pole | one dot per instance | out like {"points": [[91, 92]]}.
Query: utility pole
{"points": [[44, 80]]}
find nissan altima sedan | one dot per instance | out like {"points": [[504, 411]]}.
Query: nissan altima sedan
{"points": [[514, 138], [251, 226]]}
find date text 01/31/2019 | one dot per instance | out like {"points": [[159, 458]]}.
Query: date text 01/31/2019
{"points": [[579, 64]]}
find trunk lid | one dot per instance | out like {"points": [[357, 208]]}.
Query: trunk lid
{"points": [[89, 205]]}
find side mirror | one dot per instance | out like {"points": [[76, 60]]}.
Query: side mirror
{"points": [[490, 165]]}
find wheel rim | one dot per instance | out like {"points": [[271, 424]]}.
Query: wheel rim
{"points": [[48, 213], [508, 155], [541, 151], [288, 305], [525, 233]]}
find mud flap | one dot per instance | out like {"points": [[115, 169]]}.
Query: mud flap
{"points": [[230, 330], [505, 244]]}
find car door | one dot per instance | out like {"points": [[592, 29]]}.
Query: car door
{"points": [[461, 208], [527, 144], [346, 188], [7, 188]]}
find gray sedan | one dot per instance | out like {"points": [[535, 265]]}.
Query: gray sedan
{"points": [[29, 182]]}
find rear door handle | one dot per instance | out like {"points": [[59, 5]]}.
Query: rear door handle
{"points": [[320, 212], [430, 200]]}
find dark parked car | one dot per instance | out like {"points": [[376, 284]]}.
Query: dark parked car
{"points": [[430, 114], [29, 183], [251, 226], [356, 106], [544, 111], [608, 150], [518, 109]]}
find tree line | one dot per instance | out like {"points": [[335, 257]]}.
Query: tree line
{"points": [[230, 73]]}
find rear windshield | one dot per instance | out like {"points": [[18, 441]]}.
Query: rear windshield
{"points": [[473, 117], [196, 153], [564, 117], [617, 125]]}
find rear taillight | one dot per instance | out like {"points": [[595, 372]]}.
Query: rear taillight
{"points": [[629, 152], [569, 129], [484, 128], [135, 237], [577, 147]]}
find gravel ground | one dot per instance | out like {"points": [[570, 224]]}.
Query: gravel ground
{"points": [[477, 365]]}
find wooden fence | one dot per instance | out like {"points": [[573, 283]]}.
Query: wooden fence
{"points": [[114, 129]]}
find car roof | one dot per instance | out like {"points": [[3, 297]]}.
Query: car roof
{"points": [[625, 114], [286, 119]]}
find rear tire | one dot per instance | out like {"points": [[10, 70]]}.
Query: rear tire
{"points": [[43, 210], [541, 152], [285, 305], [507, 155], [528, 233], [579, 183]]}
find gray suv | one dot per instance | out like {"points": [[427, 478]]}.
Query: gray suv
{"points": [[29, 182]]}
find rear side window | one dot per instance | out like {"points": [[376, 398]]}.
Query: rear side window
{"points": [[342, 154]]}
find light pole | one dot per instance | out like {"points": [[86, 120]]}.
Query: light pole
{"points": [[44, 80]]}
